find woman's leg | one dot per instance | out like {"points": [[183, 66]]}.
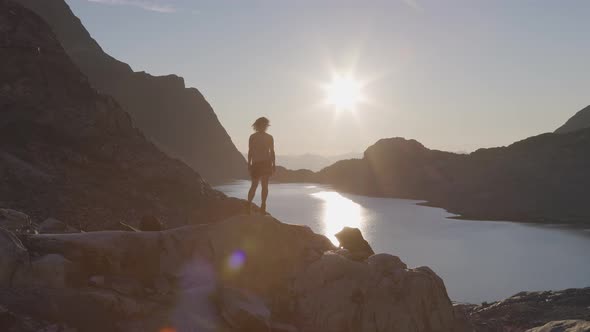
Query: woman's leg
{"points": [[252, 192], [264, 181]]}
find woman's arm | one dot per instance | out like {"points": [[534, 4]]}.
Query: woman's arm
{"points": [[272, 154]]}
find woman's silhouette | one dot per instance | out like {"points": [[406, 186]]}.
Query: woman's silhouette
{"points": [[261, 160]]}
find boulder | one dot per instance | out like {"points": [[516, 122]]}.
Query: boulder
{"points": [[335, 294], [243, 310], [352, 240], [108, 253], [258, 253], [564, 326], [54, 226], [16, 221], [12, 255]]}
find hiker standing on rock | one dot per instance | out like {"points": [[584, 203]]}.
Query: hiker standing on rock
{"points": [[261, 160]]}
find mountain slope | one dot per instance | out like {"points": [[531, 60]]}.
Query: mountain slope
{"points": [[178, 119], [540, 179], [70, 152], [579, 121]]}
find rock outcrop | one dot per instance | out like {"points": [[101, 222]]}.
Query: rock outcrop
{"points": [[12, 322], [335, 294], [71, 153], [54, 226], [245, 273], [540, 179], [528, 310], [178, 119], [355, 246], [244, 310], [564, 326], [16, 221], [580, 120]]}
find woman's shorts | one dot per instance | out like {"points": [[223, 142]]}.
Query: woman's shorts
{"points": [[261, 168]]}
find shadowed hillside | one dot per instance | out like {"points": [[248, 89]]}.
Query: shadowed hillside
{"points": [[70, 152], [177, 118]]}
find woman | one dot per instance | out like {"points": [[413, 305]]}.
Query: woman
{"points": [[261, 160]]}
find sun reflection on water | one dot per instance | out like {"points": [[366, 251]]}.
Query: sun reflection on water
{"points": [[338, 212]]}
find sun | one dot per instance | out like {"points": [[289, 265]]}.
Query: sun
{"points": [[343, 93]]}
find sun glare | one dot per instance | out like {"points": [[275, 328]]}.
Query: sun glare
{"points": [[339, 212], [343, 93]]}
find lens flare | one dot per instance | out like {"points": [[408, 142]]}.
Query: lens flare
{"points": [[236, 260]]}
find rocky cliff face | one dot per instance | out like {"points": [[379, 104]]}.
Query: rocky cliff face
{"points": [[539, 179], [580, 120], [178, 119], [70, 152]]}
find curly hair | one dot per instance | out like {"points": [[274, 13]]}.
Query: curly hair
{"points": [[261, 124]]}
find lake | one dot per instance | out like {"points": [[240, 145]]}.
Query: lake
{"points": [[478, 260]]}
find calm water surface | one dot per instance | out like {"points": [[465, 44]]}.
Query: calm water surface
{"points": [[478, 260]]}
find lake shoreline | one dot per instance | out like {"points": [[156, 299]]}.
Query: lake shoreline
{"points": [[558, 223], [466, 253]]}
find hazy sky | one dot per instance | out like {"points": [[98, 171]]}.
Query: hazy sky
{"points": [[455, 75]]}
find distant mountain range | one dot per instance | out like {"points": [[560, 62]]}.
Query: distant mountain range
{"points": [[178, 119], [70, 152], [579, 121], [310, 161], [540, 179]]}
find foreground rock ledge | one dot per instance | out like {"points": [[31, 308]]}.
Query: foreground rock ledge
{"points": [[564, 326], [146, 281], [531, 310]]}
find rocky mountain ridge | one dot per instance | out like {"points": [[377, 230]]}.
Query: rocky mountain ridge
{"points": [[178, 119], [72, 153]]}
